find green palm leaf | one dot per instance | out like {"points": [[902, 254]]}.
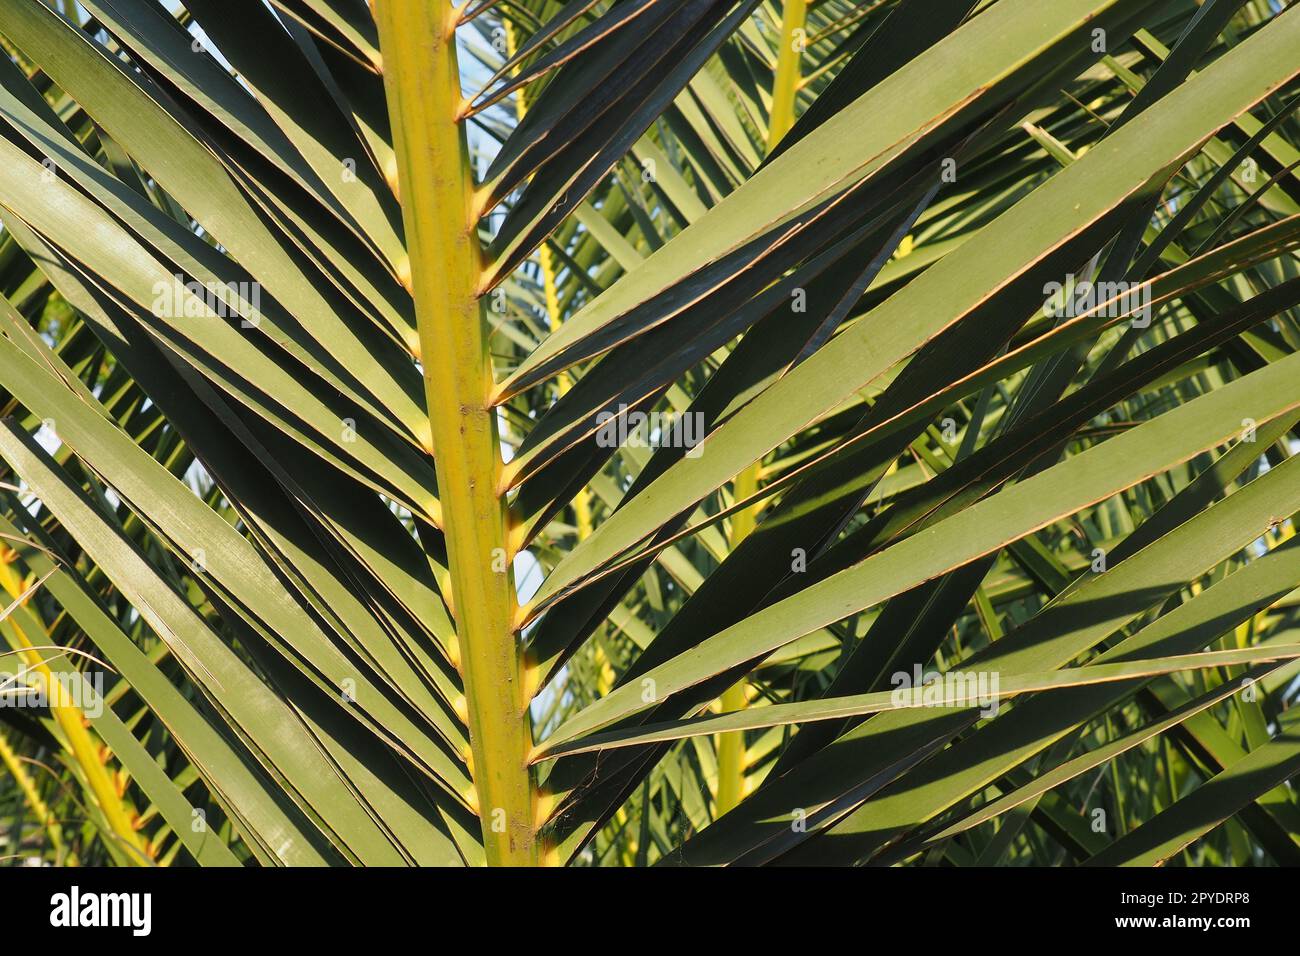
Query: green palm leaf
{"points": [[550, 432]]}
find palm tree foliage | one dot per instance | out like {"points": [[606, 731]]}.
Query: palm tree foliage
{"points": [[318, 319]]}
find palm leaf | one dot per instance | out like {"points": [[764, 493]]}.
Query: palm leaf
{"points": [[934, 337]]}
